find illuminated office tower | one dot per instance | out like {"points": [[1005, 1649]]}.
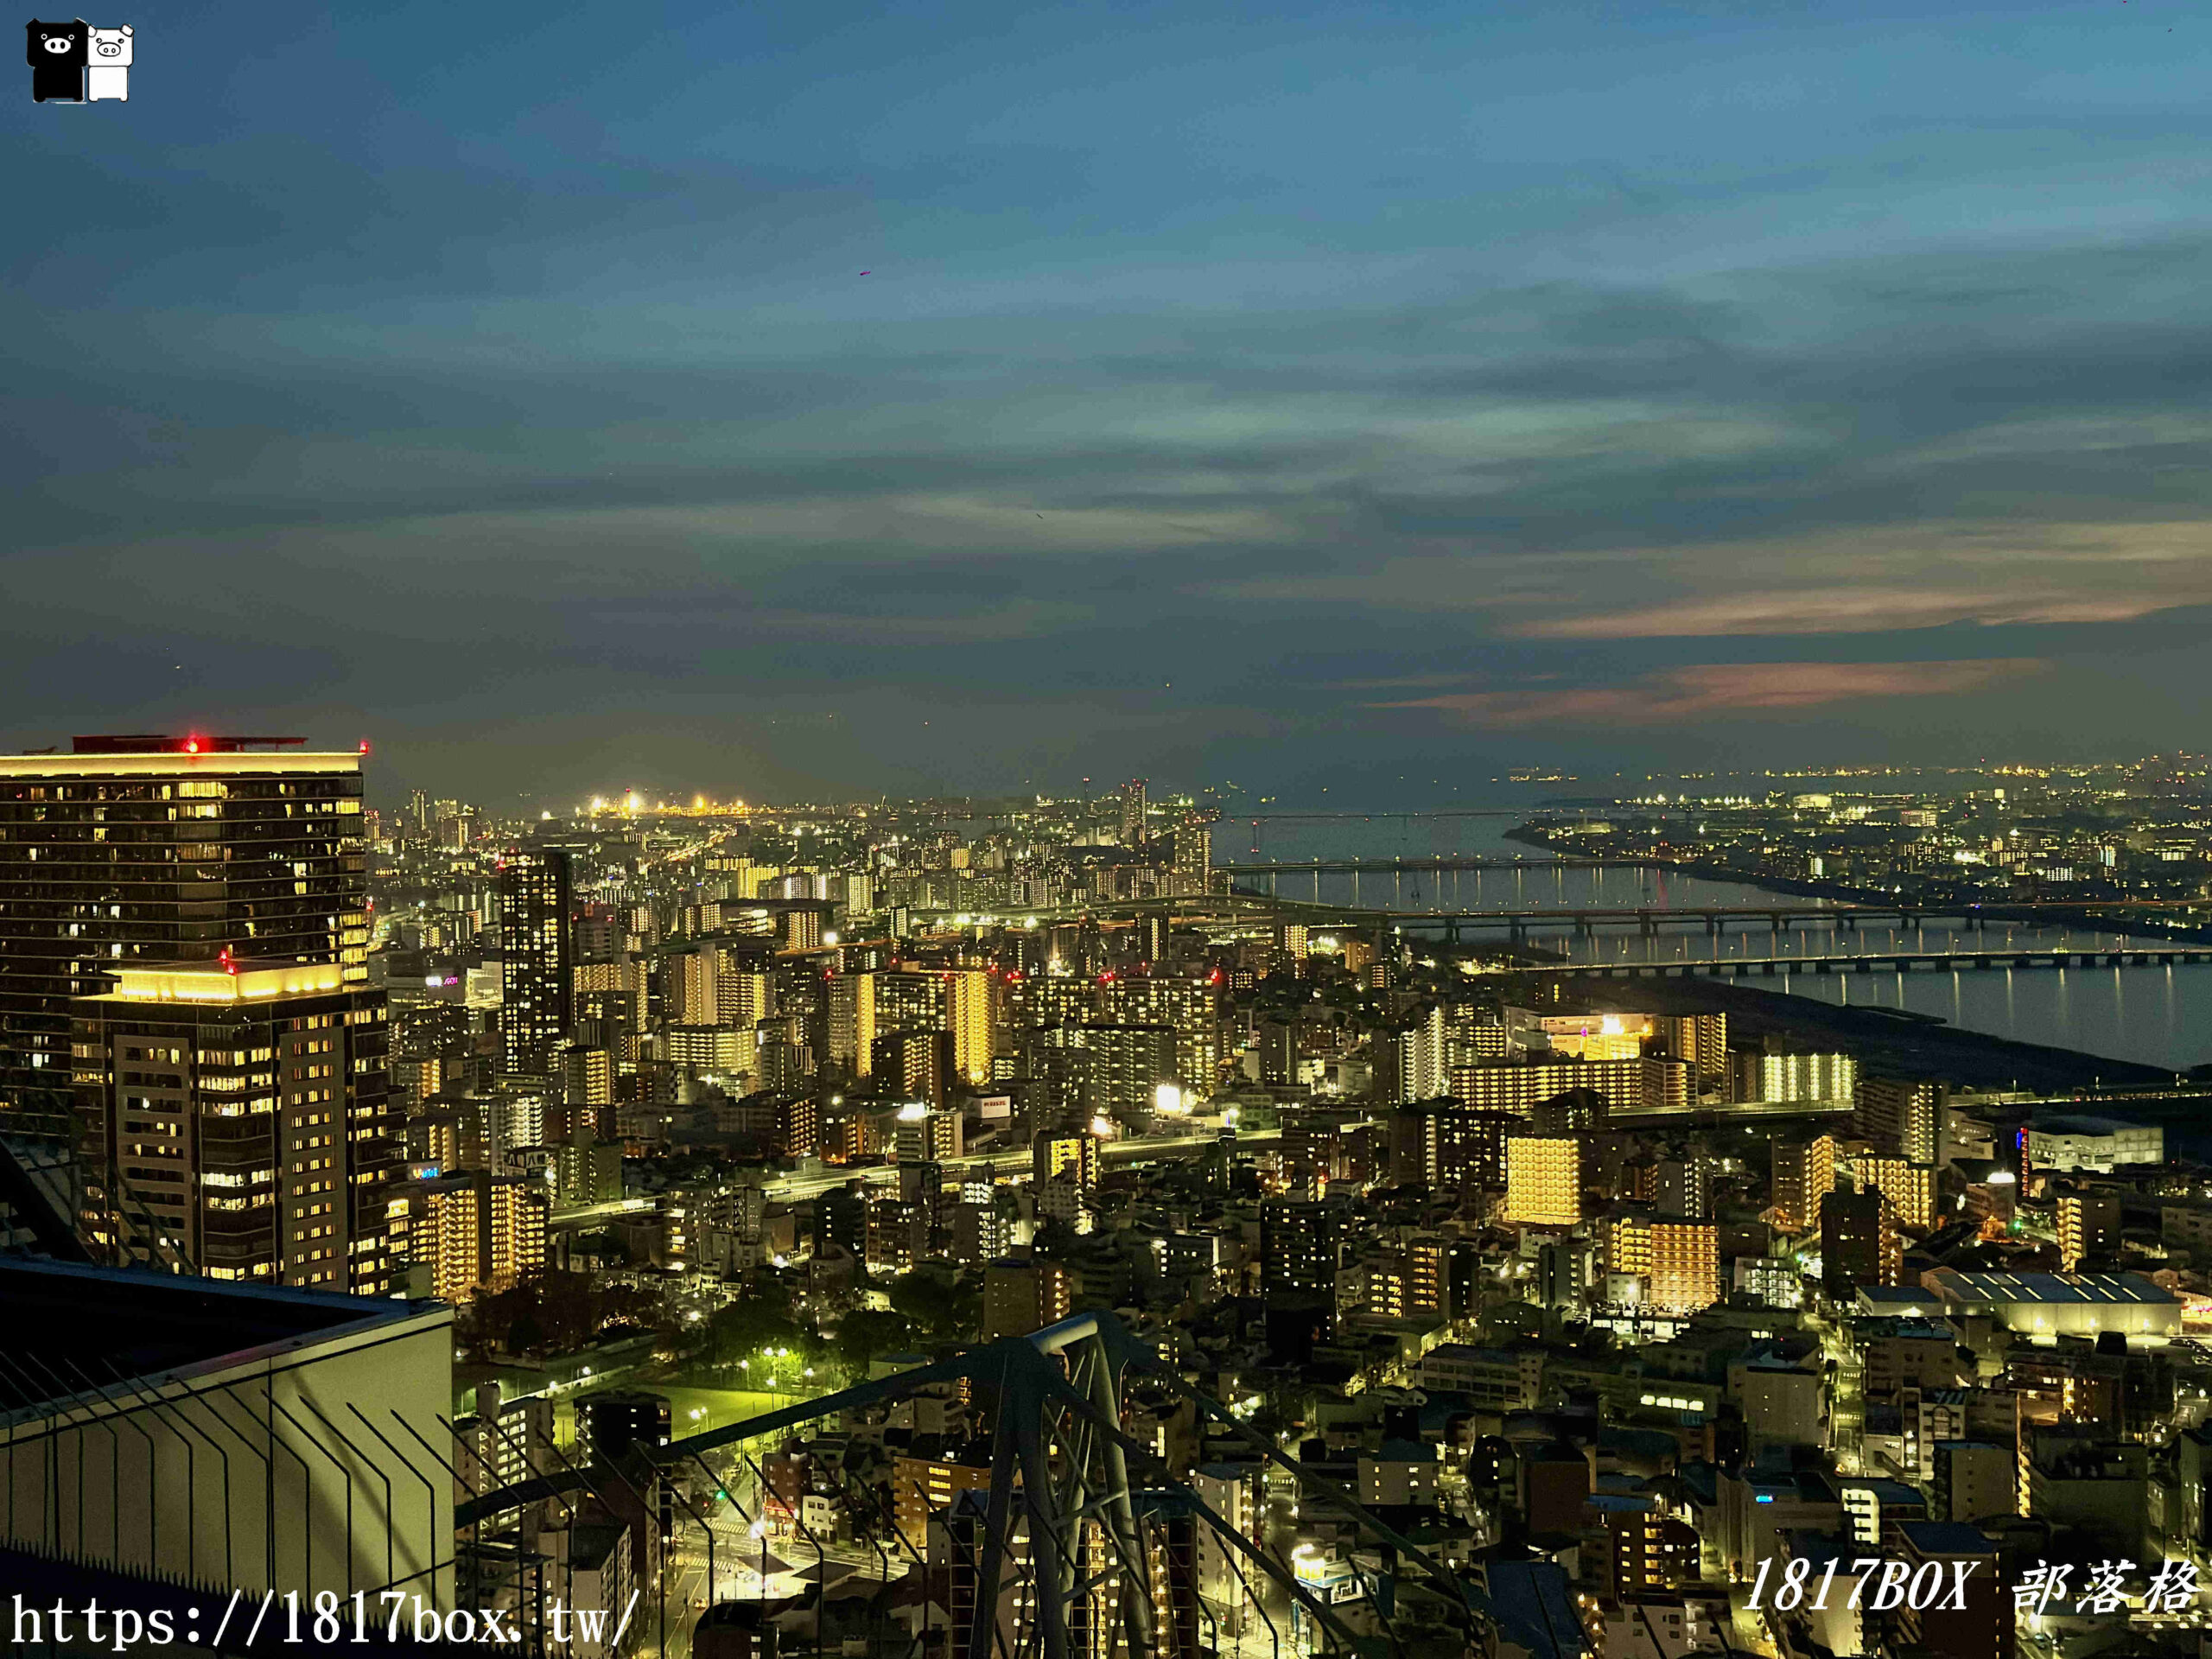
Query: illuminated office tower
{"points": [[1803, 1174], [1133, 818], [164, 849], [1543, 1180], [536, 961], [232, 1120], [2088, 1227]]}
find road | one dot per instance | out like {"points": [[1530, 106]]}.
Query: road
{"points": [[1141, 1150]]}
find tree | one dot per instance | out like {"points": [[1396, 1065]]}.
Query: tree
{"points": [[864, 1336], [929, 1298], [745, 1327]]}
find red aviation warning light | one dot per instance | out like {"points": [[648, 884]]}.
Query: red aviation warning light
{"points": [[365, 746], [229, 967], [192, 746]]}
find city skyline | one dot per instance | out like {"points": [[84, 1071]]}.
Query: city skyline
{"points": [[917, 407]]}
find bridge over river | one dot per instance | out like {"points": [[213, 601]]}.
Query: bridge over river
{"points": [[1883, 962]]}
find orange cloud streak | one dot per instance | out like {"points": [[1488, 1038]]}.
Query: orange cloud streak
{"points": [[1724, 688]]}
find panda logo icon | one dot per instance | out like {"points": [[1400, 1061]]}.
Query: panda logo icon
{"points": [[107, 74], [59, 54]]}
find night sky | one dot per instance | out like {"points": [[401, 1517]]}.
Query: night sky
{"points": [[1298, 395]]}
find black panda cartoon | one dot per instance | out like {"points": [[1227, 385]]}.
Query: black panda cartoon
{"points": [[57, 54]]}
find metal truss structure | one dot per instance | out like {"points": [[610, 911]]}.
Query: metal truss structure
{"points": [[1082, 1546]]}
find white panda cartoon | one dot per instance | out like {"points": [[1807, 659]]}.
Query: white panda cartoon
{"points": [[107, 72]]}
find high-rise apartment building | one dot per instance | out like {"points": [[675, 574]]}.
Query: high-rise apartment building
{"points": [[470, 1233], [1683, 1187], [1072, 1154], [961, 1002], [164, 849], [1190, 1006], [1906, 1118], [1803, 1174], [1700, 1039], [1648, 1083], [1678, 1260], [1302, 1245], [1543, 1180], [1132, 813], [1021, 1294], [1194, 853], [1910, 1187], [1440, 1145], [2088, 1227], [1860, 1243], [536, 961], [235, 1119], [1422, 1056], [1796, 1077], [1129, 1064]]}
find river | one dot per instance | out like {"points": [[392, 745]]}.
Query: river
{"points": [[2155, 1015]]}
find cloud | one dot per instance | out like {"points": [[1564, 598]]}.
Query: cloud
{"points": [[1847, 610], [1722, 688]]}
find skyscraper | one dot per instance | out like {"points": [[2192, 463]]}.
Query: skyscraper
{"points": [[235, 1120], [164, 849], [536, 961], [1194, 853], [1133, 809]]}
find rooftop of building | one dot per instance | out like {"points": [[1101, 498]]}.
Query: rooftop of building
{"points": [[162, 743], [1885, 1491], [75, 1329], [2091, 1126], [221, 983], [1947, 1538], [2107, 1289], [158, 754], [1886, 1299]]}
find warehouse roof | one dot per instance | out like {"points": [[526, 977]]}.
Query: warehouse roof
{"points": [[2104, 1289]]}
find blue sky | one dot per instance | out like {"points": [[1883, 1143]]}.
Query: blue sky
{"points": [[1301, 395]]}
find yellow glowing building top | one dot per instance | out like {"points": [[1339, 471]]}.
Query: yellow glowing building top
{"points": [[216, 984]]}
